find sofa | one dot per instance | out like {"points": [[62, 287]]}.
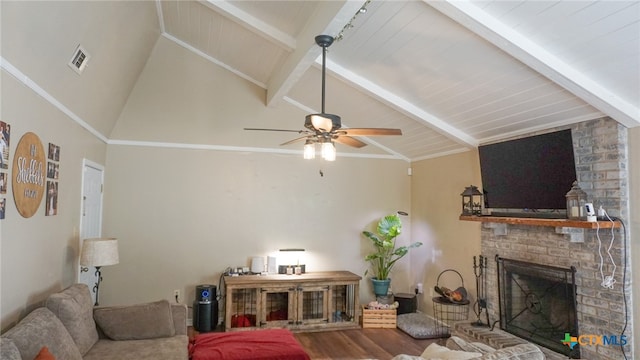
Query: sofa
{"points": [[69, 327], [459, 349]]}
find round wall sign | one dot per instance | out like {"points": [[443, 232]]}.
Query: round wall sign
{"points": [[28, 174]]}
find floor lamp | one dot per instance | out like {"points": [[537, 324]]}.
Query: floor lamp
{"points": [[98, 252]]}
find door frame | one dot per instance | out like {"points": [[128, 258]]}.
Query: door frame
{"points": [[86, 163]]}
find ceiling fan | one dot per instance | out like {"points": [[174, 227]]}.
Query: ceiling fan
{"points": [[325, 129]]}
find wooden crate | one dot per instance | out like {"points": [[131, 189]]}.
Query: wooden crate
{"points": [[378, 319]]}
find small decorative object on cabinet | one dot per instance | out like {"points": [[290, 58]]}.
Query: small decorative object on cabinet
{"points": [[290, 258], [471, 201], [310, 301]]}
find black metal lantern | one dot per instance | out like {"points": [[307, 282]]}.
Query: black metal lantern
{"points": [[471, 201]]}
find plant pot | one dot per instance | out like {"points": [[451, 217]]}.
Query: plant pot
{"points": [[380, 287]]}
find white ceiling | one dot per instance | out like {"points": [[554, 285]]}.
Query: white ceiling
{"points": [[450, 74]]}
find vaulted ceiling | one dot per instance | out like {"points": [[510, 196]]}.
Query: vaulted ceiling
{"points": [[450, 74]]}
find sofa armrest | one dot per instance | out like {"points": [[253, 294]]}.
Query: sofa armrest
{"points": [[179, 315]]}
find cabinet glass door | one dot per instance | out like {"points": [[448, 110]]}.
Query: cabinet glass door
{"points": [[343, 303], [242, 308], [277, 306], [313, 305]]}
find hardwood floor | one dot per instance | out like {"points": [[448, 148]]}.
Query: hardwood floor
{"points": [[382, 344]]}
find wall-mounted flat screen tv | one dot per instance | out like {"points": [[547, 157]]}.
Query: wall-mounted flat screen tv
{"points": [[528, 174]]}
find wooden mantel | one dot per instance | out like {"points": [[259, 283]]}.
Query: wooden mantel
{"points": [[543, 222]]}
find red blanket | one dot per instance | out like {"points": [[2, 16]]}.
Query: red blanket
{"points": [[276, 344]]}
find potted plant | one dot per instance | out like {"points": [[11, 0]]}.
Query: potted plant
{"points": [[386, 253]]}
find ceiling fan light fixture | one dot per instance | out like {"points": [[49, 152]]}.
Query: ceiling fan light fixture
{"points": [[309, 152], [328, 151], [323, 122], [323, 128]]}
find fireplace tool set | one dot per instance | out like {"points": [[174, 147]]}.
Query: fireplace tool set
{"points": [[479, 268]]}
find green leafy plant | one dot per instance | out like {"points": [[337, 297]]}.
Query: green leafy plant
{"points": [[384, 240]]}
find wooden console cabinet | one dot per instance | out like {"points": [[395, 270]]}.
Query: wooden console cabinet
{"points": [[311, 301]]}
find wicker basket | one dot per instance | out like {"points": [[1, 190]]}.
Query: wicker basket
{"points": [[378, 318]]}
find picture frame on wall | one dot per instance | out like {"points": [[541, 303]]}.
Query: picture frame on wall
{"points": [[53, 172], [3, 183], [54, 152], [5, 134], [51, 205]]}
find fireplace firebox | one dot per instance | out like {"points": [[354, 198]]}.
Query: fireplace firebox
{"points": [[538, 303]]}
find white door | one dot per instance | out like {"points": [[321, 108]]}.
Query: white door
{"points": [[91, 221]]}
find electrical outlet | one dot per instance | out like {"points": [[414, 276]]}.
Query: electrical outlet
{"points": [[176, 295]]}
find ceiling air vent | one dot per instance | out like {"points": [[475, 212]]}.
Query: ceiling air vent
{"points": [[79, 59]]}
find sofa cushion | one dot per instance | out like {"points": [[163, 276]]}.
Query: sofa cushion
{"points": [[133, 322], [8, 350], [435, 351], [174, 348], [74, 307], [42, 328], [517, 352], [456, 343]]}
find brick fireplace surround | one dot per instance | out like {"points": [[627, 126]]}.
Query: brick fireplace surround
{"points": [[601, 156]]}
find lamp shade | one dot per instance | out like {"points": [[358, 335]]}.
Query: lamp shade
{"points": [[99, 252]]}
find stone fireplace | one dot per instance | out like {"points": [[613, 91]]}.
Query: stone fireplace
{"points": [[600, 148]]}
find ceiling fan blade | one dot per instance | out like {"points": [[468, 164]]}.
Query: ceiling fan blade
{"points": [[369, 132], [283, 130], [346, 140], [295, 140]]}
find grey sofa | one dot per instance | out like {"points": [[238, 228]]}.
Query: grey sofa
{"points": [[72, 329]]}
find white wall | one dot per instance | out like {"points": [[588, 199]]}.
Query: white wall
{"points": [[39, 37], [184, 215], [39, 254]]}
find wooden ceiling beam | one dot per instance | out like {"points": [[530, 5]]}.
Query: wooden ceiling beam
{"points": [[252, 23], [329, 18]]}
